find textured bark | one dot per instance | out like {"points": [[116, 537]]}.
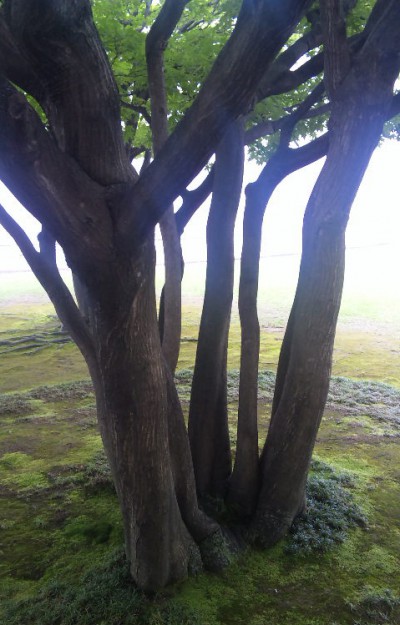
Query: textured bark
{"points": [[208, 414], [132, 401], [74, 179], [75, 85]]}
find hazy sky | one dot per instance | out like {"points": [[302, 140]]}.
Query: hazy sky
{"points": [[374, 224], [375, 217]]}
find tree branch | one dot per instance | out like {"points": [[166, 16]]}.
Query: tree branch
{"points": [[47, 274], [336, 47], [378, 59], [156, 42], [137, 109], [192, 200], [302, 111], [279, 75], [170, 305], [228, 91], [78, 91], [48, 182], [14, 65]]}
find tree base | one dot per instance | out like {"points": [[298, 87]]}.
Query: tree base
{"points": [[268, 528], [219, 550]]}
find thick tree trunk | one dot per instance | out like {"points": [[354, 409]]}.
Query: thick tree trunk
{"points": [[143, 432], [208, 415]]}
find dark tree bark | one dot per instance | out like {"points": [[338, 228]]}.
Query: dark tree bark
{"points": [[208, 414], [192, 200], [244, 483], [170, 302], [144, 434]]}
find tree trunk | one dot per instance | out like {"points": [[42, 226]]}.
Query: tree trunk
{"points": [[170, 304], [170, 319], [208, 415], [244, 483], [305, 366], [142, 429]]}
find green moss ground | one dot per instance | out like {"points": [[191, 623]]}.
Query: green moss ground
{"points": [[59, 517]]}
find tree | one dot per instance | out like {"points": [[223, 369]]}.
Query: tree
{"points": [[66, 156]]}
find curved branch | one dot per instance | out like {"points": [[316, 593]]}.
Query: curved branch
{"points": [[264, 128], [192, 200], [137, 109], [301, 112], [48, 182], [47, 274], [287, 123], [78, 92], [279, 76]]}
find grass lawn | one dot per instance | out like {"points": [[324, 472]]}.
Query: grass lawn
{"points": [[60, 529]]}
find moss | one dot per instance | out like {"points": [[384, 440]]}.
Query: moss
{"points": [[21, 471], [374, 606], [68, 529], [217, 551], [92, 532], [22, 370]]}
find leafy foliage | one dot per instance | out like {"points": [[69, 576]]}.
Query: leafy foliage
{"points": [[331, 512], [123, 26]]}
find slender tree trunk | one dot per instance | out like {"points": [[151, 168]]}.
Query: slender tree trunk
{"points": [[208, 415], [243, 486], [82, 297], [170, 304], [244, 483], [305, 365], [170, 318]]}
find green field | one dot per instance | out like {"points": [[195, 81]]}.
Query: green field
{"points": [[61, 535]]}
